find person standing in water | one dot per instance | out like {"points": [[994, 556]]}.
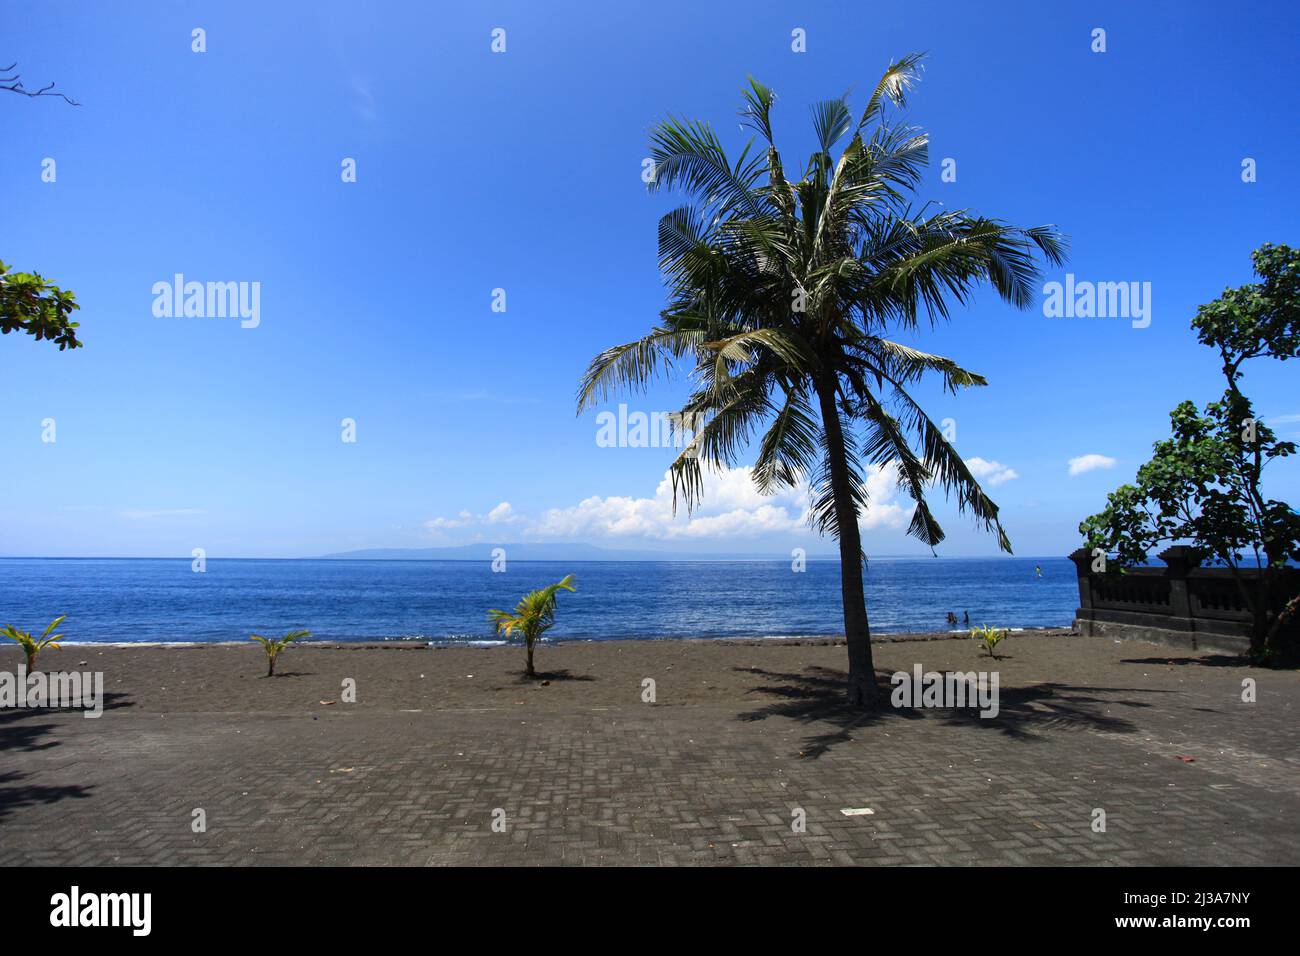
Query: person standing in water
{"points": [[1038, 570]]}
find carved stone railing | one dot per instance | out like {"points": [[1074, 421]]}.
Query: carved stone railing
{"points": [[1182, 603]]}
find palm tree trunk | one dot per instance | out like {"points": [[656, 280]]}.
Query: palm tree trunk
{"points": [[857, 631], [530, 672]]}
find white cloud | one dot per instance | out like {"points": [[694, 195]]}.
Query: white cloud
{"points": [[501, 514], [460, 521], [730, 507], [993, 473], [1090, 463]]}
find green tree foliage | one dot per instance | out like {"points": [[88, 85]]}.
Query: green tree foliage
{"points": [[1202, 486], [30, 304]]}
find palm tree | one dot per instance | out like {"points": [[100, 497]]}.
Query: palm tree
{"points": [[780, 295], [34, 645], [274, 645], [532, 616]]}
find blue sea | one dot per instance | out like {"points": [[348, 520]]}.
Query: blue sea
{"points": [[159, 599]]}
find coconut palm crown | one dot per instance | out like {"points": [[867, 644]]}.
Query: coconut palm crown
{"points": [[780, 298]]}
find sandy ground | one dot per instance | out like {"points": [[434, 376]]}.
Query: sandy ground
{"points": [[580, 674]]}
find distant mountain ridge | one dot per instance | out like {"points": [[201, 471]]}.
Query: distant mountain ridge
{"points": [[552, 552]]}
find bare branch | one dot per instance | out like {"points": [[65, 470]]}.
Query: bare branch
{"points": [[14, 84]]}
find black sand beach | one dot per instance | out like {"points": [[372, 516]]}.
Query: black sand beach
{"points": [[740, 736]]}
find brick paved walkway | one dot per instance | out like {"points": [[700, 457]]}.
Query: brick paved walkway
{"points": [[699, 782]]}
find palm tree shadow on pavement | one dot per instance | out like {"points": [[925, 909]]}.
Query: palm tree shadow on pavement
{"points": [[816, 696], [13, 798], [17, 733]]}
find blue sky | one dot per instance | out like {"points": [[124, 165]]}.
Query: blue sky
{"points": [[521, 171]]}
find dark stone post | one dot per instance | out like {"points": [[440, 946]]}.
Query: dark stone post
{"points": [[1181, 560], [1082, 559]]}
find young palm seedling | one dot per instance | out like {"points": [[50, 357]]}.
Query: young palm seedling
{"points": [[274, 645], [532, 616], [989, 637], [34, 645]]}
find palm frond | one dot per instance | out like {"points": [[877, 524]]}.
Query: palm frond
{"points": [[950, 470], [893, 86], [788, 451], [758, 109], [904, 364], [634, 365], [689, 156], [831, 121]]}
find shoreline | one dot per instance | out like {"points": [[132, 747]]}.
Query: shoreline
{"points": [[812, 640]]}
